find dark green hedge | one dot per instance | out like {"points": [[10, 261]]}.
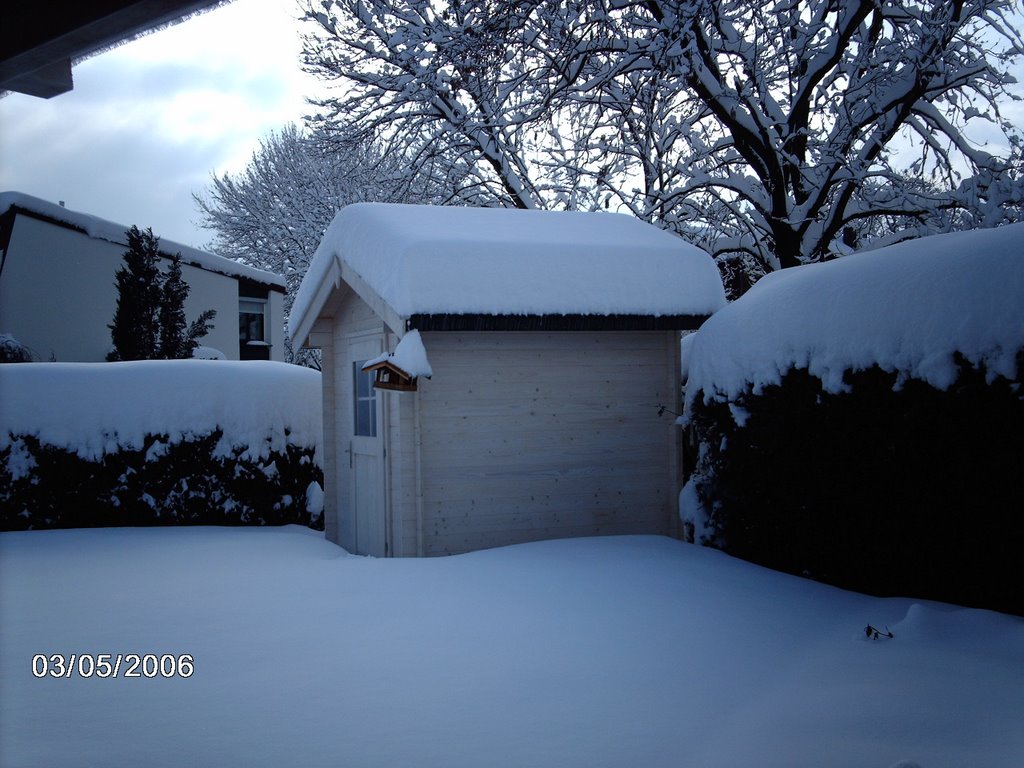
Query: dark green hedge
{"points": [[162, 483], [885, 489]]}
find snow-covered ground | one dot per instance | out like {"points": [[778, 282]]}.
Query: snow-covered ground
{"points": [[625, 651]]}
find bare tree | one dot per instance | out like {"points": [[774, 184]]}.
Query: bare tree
{"points": [[813, 117], [273, 214], [774, 132], [465, 86]]}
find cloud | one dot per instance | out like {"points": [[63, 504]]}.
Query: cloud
{"points": [[148, 122]]}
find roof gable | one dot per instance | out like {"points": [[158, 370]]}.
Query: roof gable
{"points": [[101, 229], [499, 262]]}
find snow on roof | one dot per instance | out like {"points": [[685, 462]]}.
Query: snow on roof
{"points": [[906, 307], [101, 229], [409, 356], [501, 261]]}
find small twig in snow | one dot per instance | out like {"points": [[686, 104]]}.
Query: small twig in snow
{"points": [[878, 634]]}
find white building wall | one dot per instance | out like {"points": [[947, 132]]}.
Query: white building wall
{"points": [[528, 436], [275, 325], [523, 436], [211, 290], [58, 295]]}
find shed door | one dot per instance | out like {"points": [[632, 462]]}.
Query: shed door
{"points": [[367, 452]]}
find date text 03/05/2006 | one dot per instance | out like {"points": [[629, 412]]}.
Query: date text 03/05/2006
{"points": [[103, 665]]}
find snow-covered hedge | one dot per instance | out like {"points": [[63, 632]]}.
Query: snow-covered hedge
{"points": [[862, 421], [159, 442], [13, 351]]}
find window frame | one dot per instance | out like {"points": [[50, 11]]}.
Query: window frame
{"points": [[364, 401]]}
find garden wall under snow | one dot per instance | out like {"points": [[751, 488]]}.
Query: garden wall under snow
{"points": [[159, 443], [862, 421]]}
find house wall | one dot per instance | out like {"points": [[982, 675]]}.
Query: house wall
{"points": [[211, 290], [527, 436], [57, 295]]}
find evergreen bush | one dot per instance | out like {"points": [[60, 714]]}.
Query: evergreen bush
{"points": [[891, 488], [13, 351], [149, 318], [188, 482]]}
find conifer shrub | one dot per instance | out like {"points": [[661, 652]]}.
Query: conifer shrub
{"points": [[149, 318], [889, 488], [187, 482]]}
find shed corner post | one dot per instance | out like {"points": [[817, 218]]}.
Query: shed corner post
{"points": [[418, 442], [676, 458], [330, 437]]}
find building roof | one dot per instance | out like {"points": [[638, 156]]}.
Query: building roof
{"points": [[101, 229], [454, 268], [40, 41]]}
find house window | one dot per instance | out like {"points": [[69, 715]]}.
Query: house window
{"points": [[365, 401], [252, 338]]}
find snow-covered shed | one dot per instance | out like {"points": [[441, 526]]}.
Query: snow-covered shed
{"points": [[58, 294], [550, 340]]}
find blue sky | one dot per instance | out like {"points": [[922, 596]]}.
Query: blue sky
{"points": [[148, 122]]}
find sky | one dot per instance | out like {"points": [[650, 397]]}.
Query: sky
{"points": [[148, 122]]}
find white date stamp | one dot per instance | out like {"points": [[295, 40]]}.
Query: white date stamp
{"points": [[104, 665]]}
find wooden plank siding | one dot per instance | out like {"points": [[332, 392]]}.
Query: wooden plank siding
{"points": [[523, 436], [539, 435]]}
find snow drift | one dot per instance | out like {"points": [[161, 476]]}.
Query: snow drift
{"points": [[907, 308], [423, 259], [584, 653], [98, 408]]}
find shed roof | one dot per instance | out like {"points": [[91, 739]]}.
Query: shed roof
{"points": [[102, 229], [444, 261]]}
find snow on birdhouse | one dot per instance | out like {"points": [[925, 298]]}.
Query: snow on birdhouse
{"points": [[399, 370]]}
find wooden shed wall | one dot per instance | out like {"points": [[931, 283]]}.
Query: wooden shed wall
{"points": [[533, 435], [352, 318], [522, 436]]}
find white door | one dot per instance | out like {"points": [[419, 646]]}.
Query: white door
{"points": [[367, 452]]}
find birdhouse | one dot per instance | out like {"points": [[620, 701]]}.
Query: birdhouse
{"points": [[399, 370], [390, 376]]}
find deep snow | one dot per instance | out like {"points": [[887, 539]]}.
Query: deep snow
{"points": [[623, 651], [449, 259], [908, 308], [93, 408]]}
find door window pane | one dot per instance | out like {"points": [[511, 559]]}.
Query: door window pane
{"points": [[365, 401]]}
